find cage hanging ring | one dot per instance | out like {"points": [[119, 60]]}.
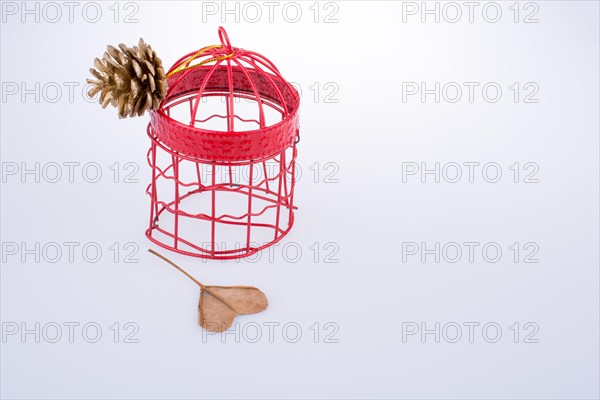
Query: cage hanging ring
{"points": [[225, 40]]}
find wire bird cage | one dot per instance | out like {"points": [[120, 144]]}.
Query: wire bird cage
{"points": [[223, 150]]}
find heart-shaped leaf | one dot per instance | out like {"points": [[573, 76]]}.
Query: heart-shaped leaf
{"points": [[219, 305]]}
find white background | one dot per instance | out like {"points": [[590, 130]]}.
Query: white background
{"points": [[371, 296]]}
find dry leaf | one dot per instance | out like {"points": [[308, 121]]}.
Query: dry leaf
{"points": [[219, 305]]}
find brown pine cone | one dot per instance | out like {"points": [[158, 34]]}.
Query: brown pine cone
{"points": [[131, 79]]}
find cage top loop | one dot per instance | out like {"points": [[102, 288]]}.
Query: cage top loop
{"points": [[224, 39]]}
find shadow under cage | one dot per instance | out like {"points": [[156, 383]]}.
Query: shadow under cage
{"points": [[223, 151]]}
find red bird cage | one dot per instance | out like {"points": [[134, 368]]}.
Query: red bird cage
{"points": [[223, 151]]}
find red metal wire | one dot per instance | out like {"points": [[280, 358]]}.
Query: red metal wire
{"points": [[229, 73]]}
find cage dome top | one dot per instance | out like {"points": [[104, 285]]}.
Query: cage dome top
{"points": [[240, 90]]}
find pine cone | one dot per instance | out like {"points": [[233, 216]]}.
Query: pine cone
{"points": [[132, 79]]}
